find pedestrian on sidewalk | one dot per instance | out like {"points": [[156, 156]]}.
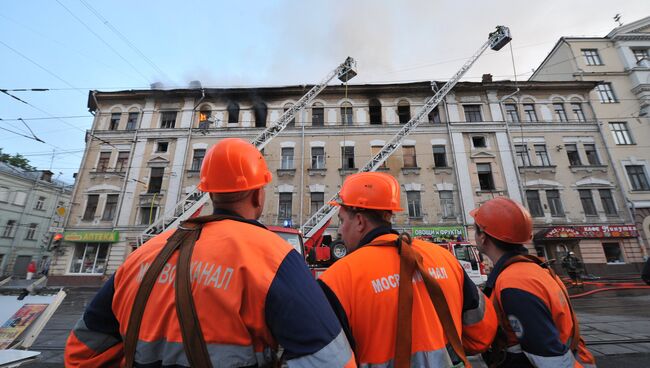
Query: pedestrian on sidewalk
{"points": [[31, 270], [380, 290], [540, 328], [245, 291]]}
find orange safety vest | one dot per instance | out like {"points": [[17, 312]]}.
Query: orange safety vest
{"points": [[225, 286], [530, 277], [366, 284]]}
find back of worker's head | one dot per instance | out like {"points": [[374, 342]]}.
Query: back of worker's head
{"points": [[233, 170], [506, 222], [368, 200]]}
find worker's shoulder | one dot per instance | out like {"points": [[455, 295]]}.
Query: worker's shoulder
{"points": [[526, 276]]}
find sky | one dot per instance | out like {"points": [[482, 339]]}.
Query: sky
{"points": [[72, 46]]}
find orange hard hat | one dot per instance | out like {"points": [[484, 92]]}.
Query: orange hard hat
{"points": [[504, 219], [233, 165], [371, 190]]}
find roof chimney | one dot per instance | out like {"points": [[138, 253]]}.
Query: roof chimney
{"points": [[487, 78]]}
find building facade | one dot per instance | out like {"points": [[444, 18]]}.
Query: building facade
{"points": [[483, 141], [620, 64], [32, 210]]}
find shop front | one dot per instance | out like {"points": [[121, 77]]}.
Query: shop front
{"points": [[88, 253], [604, 249], [440, 234]]}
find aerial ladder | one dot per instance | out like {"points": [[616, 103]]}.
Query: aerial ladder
{"points": [[496, 41], [196, 199]]}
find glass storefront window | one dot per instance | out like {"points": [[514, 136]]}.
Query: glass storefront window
{"points": [[89, 258]]}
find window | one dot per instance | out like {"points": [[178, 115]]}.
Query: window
{"points": [[374, 110], [233, 112], [587, 202], [409, 156], [40, 203], [20, 198], [534, 203], [110, 207], [317, 201], [608, 202], [512, 115], [89, 258], [473, 113], [413, 199], [102, 163], [155, 180], [529, 113], [115, 121], [374, 150], [554, 202], [613, 253], [621, 133], [132, 121], [91, 207], [592, 155], [148, 214], [287, 158], [439, 156], [261, 112], [485, 176], [347, 153], [284, 209], [638, 177], [591, 56], [559, 111], [573, 155], [542, 155], [434, 116], [168, 120], [447, 203], [122, 161], [31, 231], [606, 93], [404, 111], [346, 113], [4, 194], [162, 146], [197, 159], [640, 54], [523, 159], [9, 229], [317, 114], [204, 116], [318, 157], [288, 107], [479, 141], [576, 107]]}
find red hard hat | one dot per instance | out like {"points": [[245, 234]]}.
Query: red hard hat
{"points": [[504, 219], [371, 190], [233, 165]]}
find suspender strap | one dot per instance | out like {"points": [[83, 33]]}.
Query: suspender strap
{"points": [[194, 344], [410, 260]]}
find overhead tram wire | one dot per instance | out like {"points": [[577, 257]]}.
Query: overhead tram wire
{"points": [[103, 41], [126, 40]]}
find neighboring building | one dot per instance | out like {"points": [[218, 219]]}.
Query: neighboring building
{"points": [[150, 145], [31, 204], [620, 64]]}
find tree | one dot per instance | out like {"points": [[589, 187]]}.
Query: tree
{"points": [[16, 160]]}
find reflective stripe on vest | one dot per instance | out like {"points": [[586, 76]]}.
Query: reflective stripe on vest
{"points": [[97, 341], [221, 355], [475, 315], [339, 348], [434, 358]]}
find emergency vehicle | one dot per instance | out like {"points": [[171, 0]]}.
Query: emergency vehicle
{"points": [[470, 258]]}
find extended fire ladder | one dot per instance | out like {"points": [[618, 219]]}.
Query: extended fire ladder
{"points": [[196, 199], [496, 41]]}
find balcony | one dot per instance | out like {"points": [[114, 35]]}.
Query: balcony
{"points": [[411, 170], [537, 169], [587, 168], [317, 171], [286, 172]]}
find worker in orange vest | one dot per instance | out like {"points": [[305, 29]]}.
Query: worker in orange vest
{"points": [[247, 289], [364, 288], [541, 328]]}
